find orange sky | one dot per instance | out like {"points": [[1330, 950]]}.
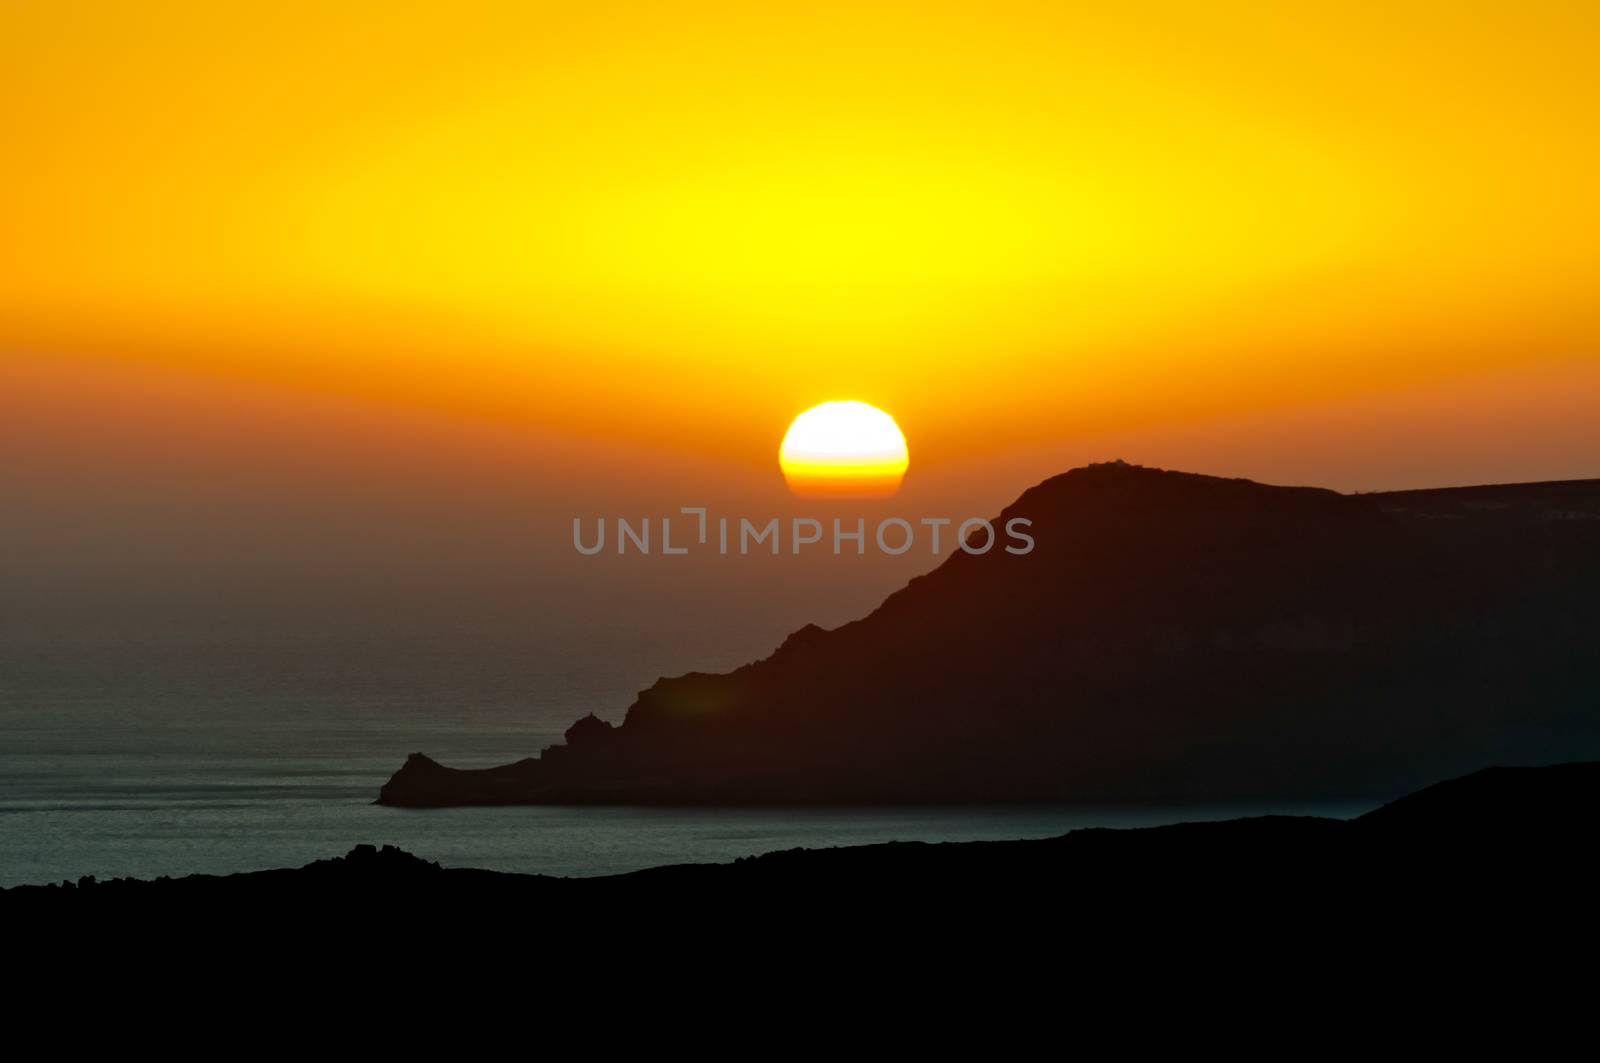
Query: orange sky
{"points": [[682, 223], [299, 287]]}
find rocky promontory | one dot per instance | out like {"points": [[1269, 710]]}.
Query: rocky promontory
{"points": [[1172, 636]]}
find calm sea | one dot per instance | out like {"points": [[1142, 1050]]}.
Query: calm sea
{"points": [[155, 759]]}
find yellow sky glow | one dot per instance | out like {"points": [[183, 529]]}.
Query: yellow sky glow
{"points": [[686, 220]]}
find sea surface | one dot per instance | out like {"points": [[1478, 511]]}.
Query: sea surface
{"points": [[149, 759]]}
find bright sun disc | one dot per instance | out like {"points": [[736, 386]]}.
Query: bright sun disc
{"points": [[843, 448]]}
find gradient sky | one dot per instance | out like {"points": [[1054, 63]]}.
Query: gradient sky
{"points": [[311, 285]]}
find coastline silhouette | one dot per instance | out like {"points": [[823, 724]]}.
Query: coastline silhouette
{"points": [[1478, 841], [1173, 637]]}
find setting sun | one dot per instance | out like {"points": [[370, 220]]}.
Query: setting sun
{"points": [[843, 448]]}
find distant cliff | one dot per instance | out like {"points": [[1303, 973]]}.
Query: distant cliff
{"points": [[1171, 636]]}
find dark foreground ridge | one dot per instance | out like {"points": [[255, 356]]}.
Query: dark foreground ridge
{"points": [[1171, 637], [1475, 842]]}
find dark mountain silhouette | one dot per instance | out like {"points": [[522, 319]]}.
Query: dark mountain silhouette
{"points": [[1171, 636], [1502, 844]]}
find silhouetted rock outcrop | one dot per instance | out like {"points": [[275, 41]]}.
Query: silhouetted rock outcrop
{"points": [[1171, 636]]}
